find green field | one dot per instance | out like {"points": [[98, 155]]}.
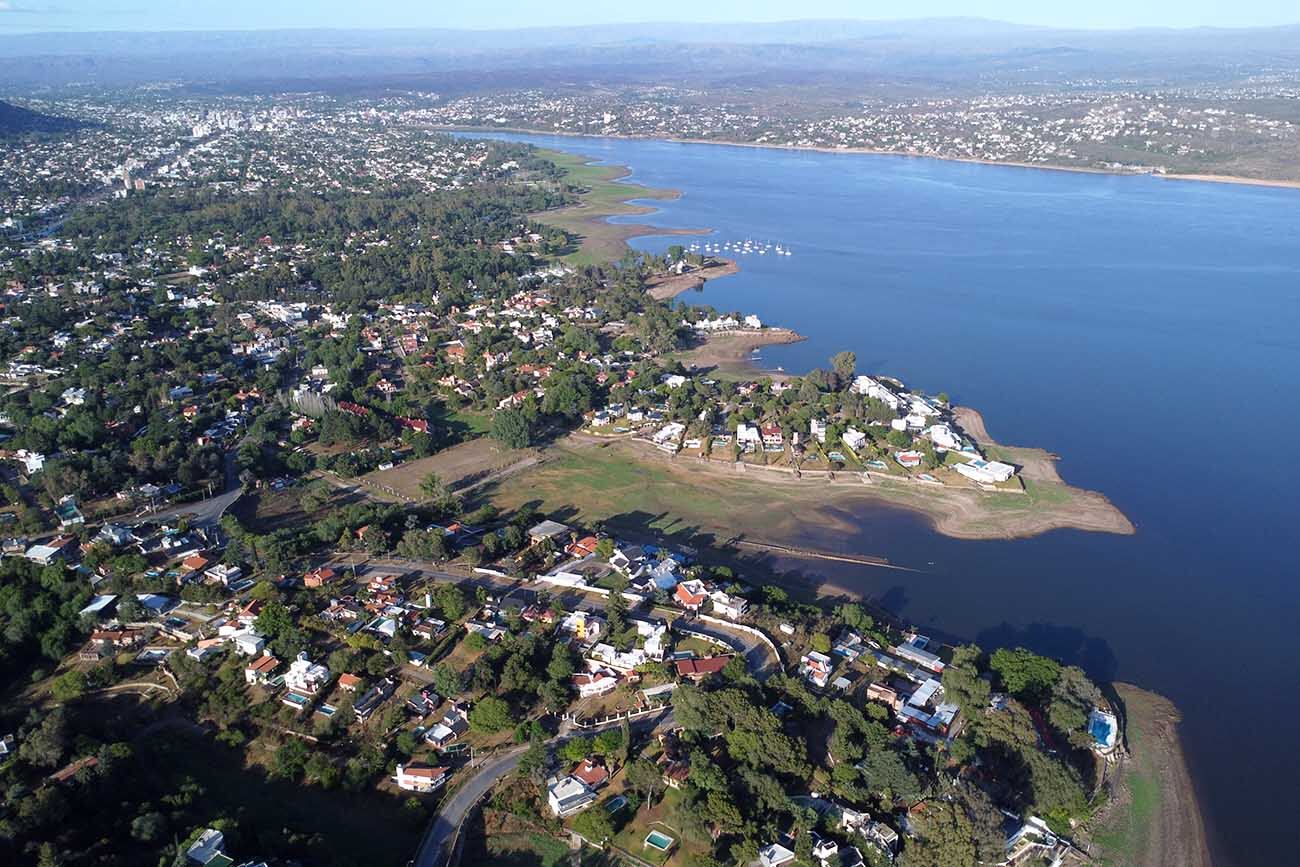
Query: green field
{"points": [[603, 196]]}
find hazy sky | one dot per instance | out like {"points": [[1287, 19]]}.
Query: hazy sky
{"points": [[29, 15]]}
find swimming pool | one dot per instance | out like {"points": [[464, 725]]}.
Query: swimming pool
{"points": [[614, 804], [656, 840]]}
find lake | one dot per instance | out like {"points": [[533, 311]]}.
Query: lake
{"points": [[1147, 330]]}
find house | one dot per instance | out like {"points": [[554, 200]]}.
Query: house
{"points": [[817, 429], [584, 547], [986, 472], [115, 535], [774, 855], [943, 436], [195, 563], [319, 577], [305, 676], [909, 459], [595, 683], [224, 574], [854, 438], [816, 668], [582, 625], [698, 669], [120, 637], [881, 693], [547, 530], [591, 772], [429, 628], [57, 549], [729, 606], [349, 682], [418, 777], [206, 648], [207, 849], [249, 644], [454, 724], [260, 670], [748, 437], [568, 796], [690, 595], [772, 437]]}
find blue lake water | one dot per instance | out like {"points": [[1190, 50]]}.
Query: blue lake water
{"points": [[1146, 330]]}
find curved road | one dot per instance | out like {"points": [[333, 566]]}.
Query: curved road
{"points": [[453, 811]]}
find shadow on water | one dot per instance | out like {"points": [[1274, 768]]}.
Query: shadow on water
{"points": [[1066, 643]]}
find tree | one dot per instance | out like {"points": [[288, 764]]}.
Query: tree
{"points": [[149, 827], [129, 609], [290, 759], [845, 365], [821, 642], [962, 684], [490, 715], [595, 826], [576, 749], [561, 666], [645, 778], [945, 838], [511, 429], [1025, 674], [69, 685], [1073, 698], [447, 681]]}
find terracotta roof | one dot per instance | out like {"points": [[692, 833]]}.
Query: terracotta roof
{"points": [[702, 667]]}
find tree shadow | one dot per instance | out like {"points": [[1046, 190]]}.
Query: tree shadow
{"points": [[1067, 643]]}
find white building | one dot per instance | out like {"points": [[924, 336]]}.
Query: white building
{"points": [[305, 676], [986, 472], [568, 796], [731, 607], [417, 777], [854, 438]]}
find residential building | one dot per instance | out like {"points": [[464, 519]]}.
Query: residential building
{"points": [[568, 796], [417, 777]]}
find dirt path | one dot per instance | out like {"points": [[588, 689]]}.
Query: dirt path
{"points": [[1154, 819]]}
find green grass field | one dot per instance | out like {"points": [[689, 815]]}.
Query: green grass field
{"points": [[604, 196]]}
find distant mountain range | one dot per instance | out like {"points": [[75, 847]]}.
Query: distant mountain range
{"points": [[946, 51], [16, 120]]}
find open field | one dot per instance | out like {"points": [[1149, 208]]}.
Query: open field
{"points": [[631, 487], [605, 196], [1153, 819], [458, 466]]}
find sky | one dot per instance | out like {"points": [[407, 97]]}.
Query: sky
{"points": [[137, 15]]}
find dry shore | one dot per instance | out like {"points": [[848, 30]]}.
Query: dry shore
{"points": [[1153, 818], [732, 353], [663, 288]]}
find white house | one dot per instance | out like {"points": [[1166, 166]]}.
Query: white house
{"points": [[731, 607], [417, 777], [305, 676], [817, 429], [249, 643], [854, 438], [748, 437], [224, 574], [774, 855], [595, 683], [986, 472], [568, 796], [943, 436]]}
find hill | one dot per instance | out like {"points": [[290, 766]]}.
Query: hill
{"points": [[16, 120]]}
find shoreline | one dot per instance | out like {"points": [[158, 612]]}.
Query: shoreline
{"points": [[1152, 816], [663, 288], [1200, 177]]}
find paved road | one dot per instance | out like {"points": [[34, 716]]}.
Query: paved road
{"points": [[205, 512], [452, 813]]}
